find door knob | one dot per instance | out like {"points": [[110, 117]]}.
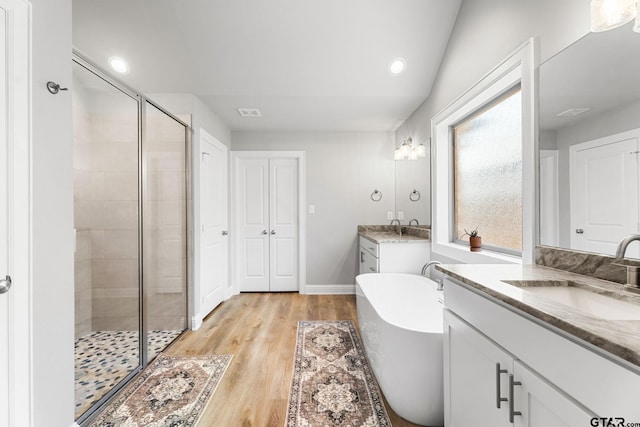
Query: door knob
{"points": [[273, 231], [264, 232], [225, 232], [5, 285]]}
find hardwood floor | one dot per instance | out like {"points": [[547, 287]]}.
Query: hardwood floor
{"points": [[259, 329]]}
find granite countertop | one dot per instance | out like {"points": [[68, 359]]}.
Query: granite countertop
{"points": [[391, 237], [395, 234], [618, 337]]}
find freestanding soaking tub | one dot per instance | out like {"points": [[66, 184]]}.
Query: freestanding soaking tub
{"points": [[400, 320]]}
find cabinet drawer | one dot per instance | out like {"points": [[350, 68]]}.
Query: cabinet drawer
{"points": [[368, 263], [369, 246]]}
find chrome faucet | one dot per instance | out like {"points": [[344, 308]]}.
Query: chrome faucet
{"points": [[633, 272], [417, 223], [424, 273]]}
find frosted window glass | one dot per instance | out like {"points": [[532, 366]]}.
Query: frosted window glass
{"points": [[488, 174]]}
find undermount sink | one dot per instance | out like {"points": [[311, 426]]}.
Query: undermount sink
{"points": [[580, 297]]}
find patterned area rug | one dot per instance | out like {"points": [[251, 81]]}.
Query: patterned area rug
{"points": [[104, 358], [333, 384], [171, 391]]}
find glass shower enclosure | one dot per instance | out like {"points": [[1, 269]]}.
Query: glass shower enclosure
{"points": [[130, 161]]}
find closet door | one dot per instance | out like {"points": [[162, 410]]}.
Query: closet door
{"points": [[252, 212], [283, 208]]}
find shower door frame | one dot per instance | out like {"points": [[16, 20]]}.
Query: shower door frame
{"points": [[142, 100]]}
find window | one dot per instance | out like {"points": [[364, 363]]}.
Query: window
{"points": [[487, 173], [483, 172]]}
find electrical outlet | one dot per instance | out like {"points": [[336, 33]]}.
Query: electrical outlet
{"points": [[389, 215], [400, 215]]}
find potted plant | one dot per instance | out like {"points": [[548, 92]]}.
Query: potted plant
{"points": [[475, 241]]}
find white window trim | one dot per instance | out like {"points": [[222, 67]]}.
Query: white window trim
{"points": [[519, 67]]}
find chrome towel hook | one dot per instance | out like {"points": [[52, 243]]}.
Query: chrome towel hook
{"points": [[54, 88], [376, 196]]}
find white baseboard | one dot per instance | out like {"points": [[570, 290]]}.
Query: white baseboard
{"points": [[330, 289], [196, 322], [230, 292]]}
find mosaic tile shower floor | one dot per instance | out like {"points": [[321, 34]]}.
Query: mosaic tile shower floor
{"points": [[103, 359]]}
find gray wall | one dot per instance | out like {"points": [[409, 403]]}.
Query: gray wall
{"points": [[52, 204], [343, 169], [486, 32]]}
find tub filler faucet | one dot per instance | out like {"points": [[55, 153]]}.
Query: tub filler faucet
{"points": [[440, 281], [633, 271]]}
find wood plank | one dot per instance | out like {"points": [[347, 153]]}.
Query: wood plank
{"points": [[259, 329]]}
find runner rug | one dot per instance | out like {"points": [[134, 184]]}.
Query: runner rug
{"points": [[171, 391], [333, 384]]}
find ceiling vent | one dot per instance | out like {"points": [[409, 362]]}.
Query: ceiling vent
{"points": [[249, 112], [572, 112]]}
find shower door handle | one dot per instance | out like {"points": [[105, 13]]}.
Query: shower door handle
{"points": [[5, 285]]}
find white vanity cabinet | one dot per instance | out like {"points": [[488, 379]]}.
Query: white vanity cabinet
{"points": [[488, 386], [505, 368], [393, 256]]}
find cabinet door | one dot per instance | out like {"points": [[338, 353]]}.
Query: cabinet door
{"points": [[542, 405], [473, 383]]}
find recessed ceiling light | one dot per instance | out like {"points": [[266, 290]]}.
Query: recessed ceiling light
{"points": [[119, 64], [397, 66], [249, 112]]}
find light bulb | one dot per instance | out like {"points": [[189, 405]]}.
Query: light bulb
{"points": [[421, 150], [610, 14]]}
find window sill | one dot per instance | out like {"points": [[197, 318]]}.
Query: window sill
{"points": [[462, 254]]}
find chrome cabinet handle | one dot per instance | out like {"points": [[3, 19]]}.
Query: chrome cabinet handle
{"points": [[273, 231], [579, 231], [512, 412], [372, 269], [361, 256], [265, 232], [225, 233], [499, 398], [5, 284]]}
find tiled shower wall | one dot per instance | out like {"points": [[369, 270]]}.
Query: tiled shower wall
{"points": [[114, 236], [165, 215], [106, 217]]}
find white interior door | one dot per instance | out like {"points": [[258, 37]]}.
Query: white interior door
{"points": [[252, 216], [214, 273], [283, 207], [4, 235], [604, 193], [15, 312]]}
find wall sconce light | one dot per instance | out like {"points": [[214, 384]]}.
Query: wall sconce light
{"points": [[609, 14], [407, 151]]}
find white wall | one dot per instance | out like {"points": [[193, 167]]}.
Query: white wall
{"points": [[486, 32], [52, 238], [343, 169]]}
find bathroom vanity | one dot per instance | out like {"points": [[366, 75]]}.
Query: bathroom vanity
{"points": [[533, 346], [387, 251]]}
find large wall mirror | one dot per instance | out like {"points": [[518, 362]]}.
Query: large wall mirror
{"points": [[413, 189], [589, 143]]}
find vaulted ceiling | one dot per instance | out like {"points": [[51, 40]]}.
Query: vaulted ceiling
{"points": [[306, 65]]}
